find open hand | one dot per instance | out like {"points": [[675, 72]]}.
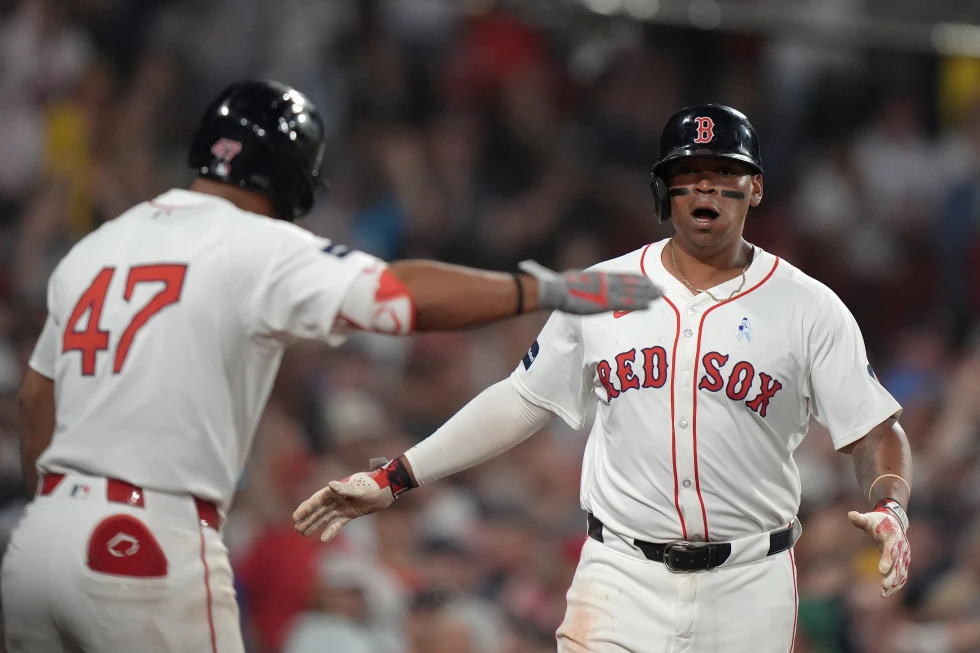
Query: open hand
{"points": [[886, 531], [341, 501]]}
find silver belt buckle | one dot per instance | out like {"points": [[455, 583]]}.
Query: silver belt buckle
{"points": [[679, 545]]}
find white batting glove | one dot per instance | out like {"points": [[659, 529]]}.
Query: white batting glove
{"points": [[357, 495], [888, 534]]}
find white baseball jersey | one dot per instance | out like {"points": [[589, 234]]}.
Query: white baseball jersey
{"points": [[165, 331], [701, 403]]}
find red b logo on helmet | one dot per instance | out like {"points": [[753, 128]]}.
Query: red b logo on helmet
{"points": [[706, 130]]}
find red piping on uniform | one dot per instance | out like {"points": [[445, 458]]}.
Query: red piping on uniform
{"points": [[694, 415], [673, 429], [673, 434], [796, 600], [207, 587], [642, 257]]}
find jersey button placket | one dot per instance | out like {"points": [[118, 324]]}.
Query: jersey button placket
{"points": [[684, 409], [695, 319]]}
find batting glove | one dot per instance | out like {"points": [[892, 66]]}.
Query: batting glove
{"points": [[357, 495], [586, 293], [887, 529]]}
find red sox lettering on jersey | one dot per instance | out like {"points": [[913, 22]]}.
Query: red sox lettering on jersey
{"points": [[736, 382], [701, 403]]}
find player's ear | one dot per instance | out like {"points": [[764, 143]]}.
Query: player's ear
{"points": [[756, 197]]}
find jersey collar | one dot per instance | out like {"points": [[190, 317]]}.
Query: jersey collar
{"points": [[183, 198], [653, 267]]}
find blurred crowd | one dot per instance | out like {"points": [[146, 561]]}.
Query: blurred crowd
{"points": [[461, 132]]}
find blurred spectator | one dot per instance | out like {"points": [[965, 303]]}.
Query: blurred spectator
{"points": [[485, 133], [43, 55], [897, 166], [349, 611], [957, 224]]}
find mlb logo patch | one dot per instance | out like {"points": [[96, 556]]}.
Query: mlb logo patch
{"points": [[531, 354], [80, 491]]}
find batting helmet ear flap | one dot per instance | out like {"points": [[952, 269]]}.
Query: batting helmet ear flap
{"points": [[661, 197]]}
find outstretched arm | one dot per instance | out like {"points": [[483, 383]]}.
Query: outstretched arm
{"points": [[452, 296], [498, 419], [408, 296], [291, 285], [883, 466]]}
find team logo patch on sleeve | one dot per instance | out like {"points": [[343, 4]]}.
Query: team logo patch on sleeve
{"points": [[531, 354]]}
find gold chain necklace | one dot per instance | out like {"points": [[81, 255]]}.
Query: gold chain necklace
{"points": [[697, 291]]}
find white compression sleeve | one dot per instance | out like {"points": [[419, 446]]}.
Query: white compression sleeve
{"points": [[494, 421]]}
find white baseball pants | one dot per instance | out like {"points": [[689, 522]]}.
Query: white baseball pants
{"points": [[620, 602], [85, 574]]}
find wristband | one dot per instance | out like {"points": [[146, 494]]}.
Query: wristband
{"points": [[895, 508], [398, 477], [870, 489]]}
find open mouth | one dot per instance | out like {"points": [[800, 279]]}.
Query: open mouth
{"points": [[705, 213]]}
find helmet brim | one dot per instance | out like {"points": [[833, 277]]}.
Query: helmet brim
{"points": [[688, 152]]}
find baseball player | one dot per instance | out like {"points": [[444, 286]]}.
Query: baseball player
{"points": [[164, 335], [689, 480]]}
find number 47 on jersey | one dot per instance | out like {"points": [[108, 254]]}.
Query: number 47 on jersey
{"points": [[92, 339]]}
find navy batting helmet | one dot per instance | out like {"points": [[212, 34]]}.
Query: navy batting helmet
{"points": [[703, 130], [264, 137]]}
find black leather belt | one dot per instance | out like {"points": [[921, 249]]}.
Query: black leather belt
{"points": [[692, 556]]}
